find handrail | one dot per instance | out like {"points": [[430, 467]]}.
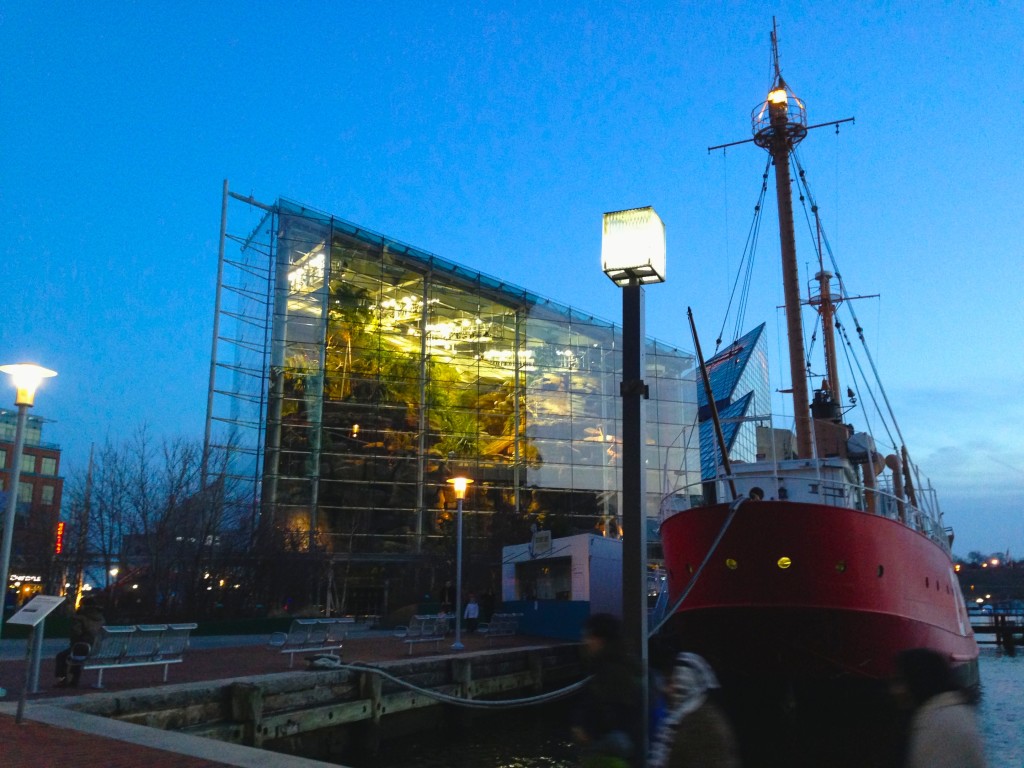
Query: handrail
{"points": [[918, 518]]}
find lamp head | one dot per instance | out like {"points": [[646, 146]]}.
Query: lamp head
{"points": [[26, 377], [460, 483], [633, 247]]}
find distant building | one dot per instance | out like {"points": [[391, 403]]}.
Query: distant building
{"points": [[40, 487], [740, 387], [355, 375]]}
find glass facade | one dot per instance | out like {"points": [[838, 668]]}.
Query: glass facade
{"points": [[383, 371], [740, 386]]}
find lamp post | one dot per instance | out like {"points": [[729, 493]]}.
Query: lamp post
{"points": [[26, 378], [460, 483], [632, 255]]}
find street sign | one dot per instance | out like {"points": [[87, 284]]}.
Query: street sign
{"points": [[35, 610]]}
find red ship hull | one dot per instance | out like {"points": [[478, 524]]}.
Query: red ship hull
{"points": [[857, 589]]}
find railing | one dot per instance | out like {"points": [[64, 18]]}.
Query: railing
{"points": [[838, 492]]}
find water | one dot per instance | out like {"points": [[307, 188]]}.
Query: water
{"points": [[518, 739], [1001, 712]]}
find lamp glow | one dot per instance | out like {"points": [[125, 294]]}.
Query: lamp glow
{"points": [[460, 484], [26, 378], [633, 246], [778, 96]]}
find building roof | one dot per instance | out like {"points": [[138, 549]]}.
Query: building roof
{"points": [[423, 261]]}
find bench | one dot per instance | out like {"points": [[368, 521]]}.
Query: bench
{"points": [[311, 636], [501, 625], [134, 646], [423, 629]]}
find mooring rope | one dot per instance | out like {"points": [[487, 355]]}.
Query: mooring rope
{"points": [[470, 703]]}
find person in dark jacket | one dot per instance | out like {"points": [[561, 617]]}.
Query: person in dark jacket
{"points": [[606, 722], [85, 630]]}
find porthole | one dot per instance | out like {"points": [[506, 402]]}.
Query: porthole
{"points": [[784, 562], [731, 564], [841, 566], [689, 568], [881, 570]]}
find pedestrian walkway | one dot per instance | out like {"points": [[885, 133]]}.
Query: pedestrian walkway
{"points": [[54, 736]]}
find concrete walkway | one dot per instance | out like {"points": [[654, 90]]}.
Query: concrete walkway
{"points": [[52, 735]]}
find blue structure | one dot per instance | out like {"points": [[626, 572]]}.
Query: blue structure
{"points": [[739, 384]]}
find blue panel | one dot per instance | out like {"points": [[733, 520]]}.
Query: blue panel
{"points": [[731, 418]]}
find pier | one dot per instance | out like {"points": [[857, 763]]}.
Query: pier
{"points": [[239, 705]]}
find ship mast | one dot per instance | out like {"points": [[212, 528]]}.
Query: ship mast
{"points": [[779, 124], [826, 309]]}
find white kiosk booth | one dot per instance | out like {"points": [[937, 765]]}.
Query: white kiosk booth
{"points": [[557, 583]]}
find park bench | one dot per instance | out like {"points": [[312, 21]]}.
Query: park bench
{"points": [[423, 629], [501, 625], [133, 646], [311, 636]]}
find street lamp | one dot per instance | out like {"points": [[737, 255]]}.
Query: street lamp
{"points": [[26, 378], [461, 484], [633, 255]]}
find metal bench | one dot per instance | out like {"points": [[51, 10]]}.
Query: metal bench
{"points": [[423, 629], [501, 625], [311, 636], [135, 646]]}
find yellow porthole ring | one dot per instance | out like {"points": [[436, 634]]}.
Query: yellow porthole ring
{"points": [[731, 564], [784, 562]]}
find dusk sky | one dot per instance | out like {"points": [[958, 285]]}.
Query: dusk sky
{"points": [[495, 135]]}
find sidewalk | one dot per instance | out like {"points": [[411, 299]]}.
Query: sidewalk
{"points": [[55, 737]]}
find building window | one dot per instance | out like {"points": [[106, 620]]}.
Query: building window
{"points": [[48, 466], [25, 493], [47, 494], [3, 458], [28, 463]]}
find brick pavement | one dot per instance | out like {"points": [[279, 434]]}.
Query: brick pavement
{"points": [[41, 741]]}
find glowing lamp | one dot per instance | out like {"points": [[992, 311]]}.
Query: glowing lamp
{"points": [[778, 96], [633, 247], [460, 484], [26, 378]]}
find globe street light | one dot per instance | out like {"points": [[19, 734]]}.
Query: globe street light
{"points": [[632, 255], [26, 378], [460, 483]]}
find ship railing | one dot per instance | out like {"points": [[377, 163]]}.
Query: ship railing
{"points": [[839, 492]]}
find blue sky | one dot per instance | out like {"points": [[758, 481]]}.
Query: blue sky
{"points": [[496, 135]]}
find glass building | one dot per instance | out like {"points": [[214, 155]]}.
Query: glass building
{"points": [[354, 375], [739, 383]]}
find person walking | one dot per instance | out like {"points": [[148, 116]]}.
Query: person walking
{"points": [[605, 721], [85, 629], [943, 728], [694, 731]]}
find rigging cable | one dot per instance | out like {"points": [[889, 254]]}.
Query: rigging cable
{"points": [[746, 263], [845, 295]]}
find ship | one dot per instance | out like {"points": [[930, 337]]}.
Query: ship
{"points": [[826, 556]]}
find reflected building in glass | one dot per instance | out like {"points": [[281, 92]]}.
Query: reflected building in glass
{"points": [[354, 375]]}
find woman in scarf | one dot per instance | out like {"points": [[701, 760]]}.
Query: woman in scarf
{"points": [[694, 732]]}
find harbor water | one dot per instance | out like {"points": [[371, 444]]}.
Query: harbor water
{"points": [[538, 738]]}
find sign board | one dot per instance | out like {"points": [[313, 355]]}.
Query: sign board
{"points": [[35, 610], [541, 542]]}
